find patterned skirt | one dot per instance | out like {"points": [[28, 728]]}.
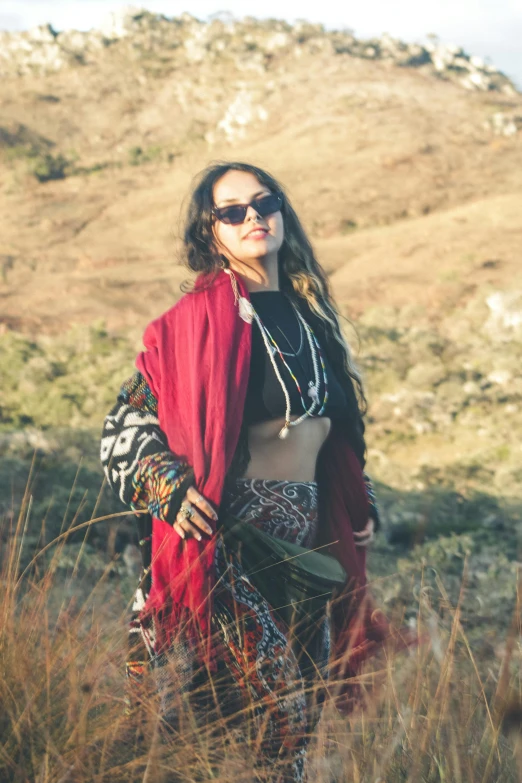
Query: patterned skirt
{"points": [[281, 677], [268, 676]]}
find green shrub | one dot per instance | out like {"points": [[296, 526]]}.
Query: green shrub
{"points": [[347, 226], [72, 378], [47, 167], [20, 151], [138, 155]]}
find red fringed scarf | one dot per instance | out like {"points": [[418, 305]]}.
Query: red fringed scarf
{"points": [[197, 364]]}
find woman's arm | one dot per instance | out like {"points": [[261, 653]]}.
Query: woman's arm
{"points": [[374, 509], [136, 459]]}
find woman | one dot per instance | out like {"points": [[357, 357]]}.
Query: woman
{"points": [[244, 401]]}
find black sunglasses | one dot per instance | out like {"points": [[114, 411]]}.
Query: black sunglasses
{"points": [[236, 213]]}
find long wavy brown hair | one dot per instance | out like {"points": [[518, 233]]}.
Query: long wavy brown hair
{"points": [[301, 277]]}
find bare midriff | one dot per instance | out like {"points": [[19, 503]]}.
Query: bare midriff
{"points": [[291, 459]]}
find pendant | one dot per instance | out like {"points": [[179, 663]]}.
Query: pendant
{"points": [[312, 391], [283, 434], [246, 311]]}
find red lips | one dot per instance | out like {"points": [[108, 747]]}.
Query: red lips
{"points": [[254, 230]]}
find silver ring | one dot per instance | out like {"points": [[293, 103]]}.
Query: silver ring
{"points": [[186, 510]]}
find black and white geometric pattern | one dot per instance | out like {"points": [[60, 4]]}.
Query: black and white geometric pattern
{"points": [[128, 435]]}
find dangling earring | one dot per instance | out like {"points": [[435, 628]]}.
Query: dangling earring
{"points": [[223, 262]]}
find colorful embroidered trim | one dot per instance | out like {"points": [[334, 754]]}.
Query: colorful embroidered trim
{"points": [[136, 391], [158, 485]]}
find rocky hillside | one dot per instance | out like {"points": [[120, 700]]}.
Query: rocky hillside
{"points": [[249, 43], [405, 164]]}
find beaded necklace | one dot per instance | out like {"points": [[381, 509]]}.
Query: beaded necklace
{"points": [[313, 387], [301, 335], [248, 313]]}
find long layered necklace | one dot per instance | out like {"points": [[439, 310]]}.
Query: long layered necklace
{"points": [[248, 313]]}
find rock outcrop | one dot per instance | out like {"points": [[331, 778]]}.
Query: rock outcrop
{"points": [[252, 44]]}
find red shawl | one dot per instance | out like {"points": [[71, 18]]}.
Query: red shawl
{"points": [[197, 363]]}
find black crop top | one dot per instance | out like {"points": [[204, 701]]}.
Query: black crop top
{"points": [[265, 398]]}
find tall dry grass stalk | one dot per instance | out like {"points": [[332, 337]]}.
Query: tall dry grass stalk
{"points": [[433, 714]]}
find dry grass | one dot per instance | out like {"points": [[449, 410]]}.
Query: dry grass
{"points": [[433, 714]]}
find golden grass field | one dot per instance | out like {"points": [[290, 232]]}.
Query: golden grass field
{"points": [[433, 713]]}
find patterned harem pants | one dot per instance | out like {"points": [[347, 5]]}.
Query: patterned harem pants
{"points": [[273, 678]]}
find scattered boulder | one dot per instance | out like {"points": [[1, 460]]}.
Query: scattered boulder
{"points": [[504, 124], [244, 110], [505, 318]]}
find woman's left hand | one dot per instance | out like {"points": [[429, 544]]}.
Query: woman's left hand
{"points": [[365, 536]]}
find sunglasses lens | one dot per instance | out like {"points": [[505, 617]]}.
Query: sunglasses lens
{"points": [[232, 215], [267, 205]]}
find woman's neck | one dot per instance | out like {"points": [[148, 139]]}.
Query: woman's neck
{"points": [[259, 274]]}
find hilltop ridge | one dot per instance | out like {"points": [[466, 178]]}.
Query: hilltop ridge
{"points": [[250, 43]]}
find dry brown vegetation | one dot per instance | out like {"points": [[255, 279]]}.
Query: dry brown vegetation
{"points": [[433, 714]]}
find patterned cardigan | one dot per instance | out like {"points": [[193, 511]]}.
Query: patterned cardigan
{"points": [[145, 474]]}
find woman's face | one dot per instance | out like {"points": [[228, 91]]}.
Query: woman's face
{"points": [[257, 238]]}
